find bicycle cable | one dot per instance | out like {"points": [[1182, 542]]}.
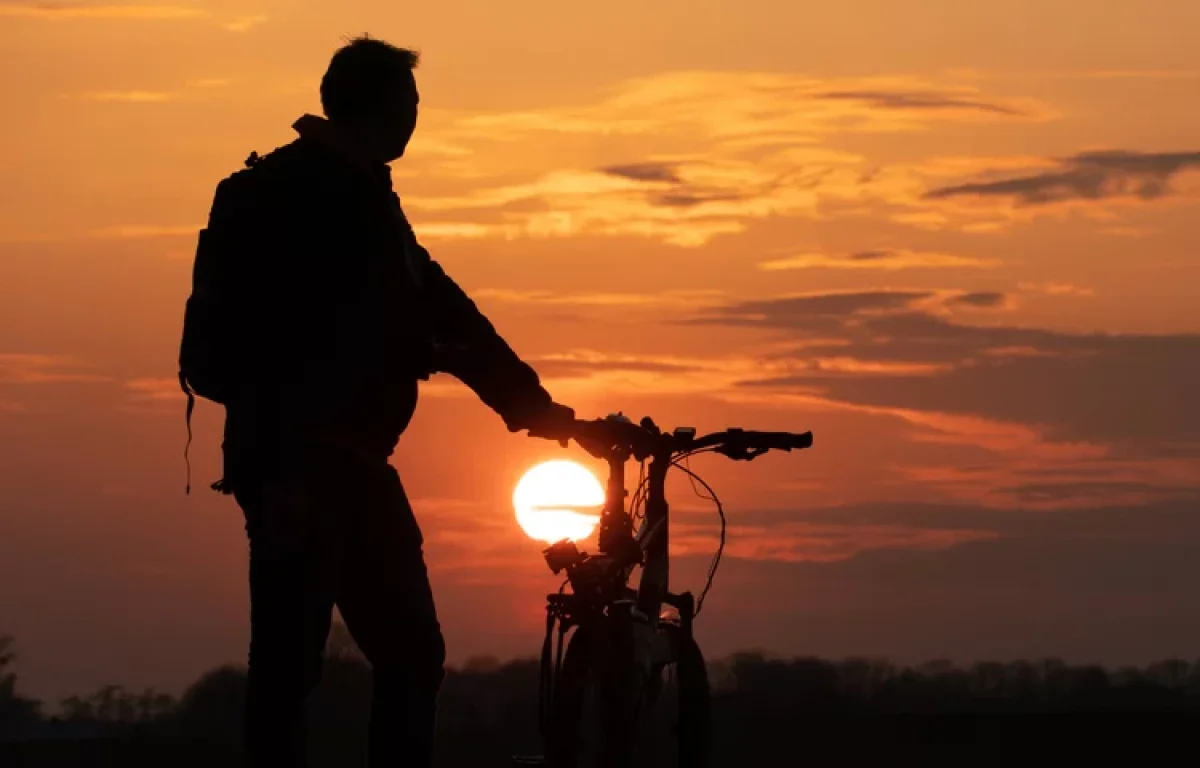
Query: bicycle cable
{"points": [[712, 496], [638, 500]]}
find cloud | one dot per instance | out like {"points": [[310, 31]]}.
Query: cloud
{"points": [[592, 371], [690, 156], [771, 106], [1112, 585], [1056, 289], [589, 363], [131, 97], [1093, 74], [1163, 521], [244, 23], [464, 230], [677, 299], [565, 203], [1085, 176], [716, 151], [76, 10], [1135, 74], [883, 260], [145, 231], [207, 86], [83, 11], [153, 389], [645, 172], [979, 299], [577, 373], [814, 313], [35, 368], [1124, 390], [783, 540], [932, 100], [1103, 491]]}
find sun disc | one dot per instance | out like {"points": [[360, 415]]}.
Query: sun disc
{"points": [[558, 500]]}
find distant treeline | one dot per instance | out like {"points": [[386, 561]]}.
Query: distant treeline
{"points": [[763, 709]]}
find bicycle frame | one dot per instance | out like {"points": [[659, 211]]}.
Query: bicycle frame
{"points": [[623, 628], [620, 549]]}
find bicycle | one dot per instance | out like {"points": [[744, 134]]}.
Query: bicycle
{"points": [[598, 700]]}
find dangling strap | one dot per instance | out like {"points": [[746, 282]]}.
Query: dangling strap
{"points": [[191, 406]]}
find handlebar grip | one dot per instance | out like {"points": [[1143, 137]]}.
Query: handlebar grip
{"points": [[798, 441], [776, 441]]}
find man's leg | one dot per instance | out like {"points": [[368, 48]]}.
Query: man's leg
{"points": [[294, 546], [388, 607]]}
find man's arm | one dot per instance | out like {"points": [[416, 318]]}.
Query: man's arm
{"points": [[470, 349]]}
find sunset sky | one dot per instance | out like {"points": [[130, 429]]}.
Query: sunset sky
{"points": [[957, 240]]}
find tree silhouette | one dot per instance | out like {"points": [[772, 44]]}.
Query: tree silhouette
{"points": [[763, 708], [17, 714]]}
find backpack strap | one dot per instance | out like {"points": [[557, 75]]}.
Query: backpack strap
{"points": [[191, 406]]}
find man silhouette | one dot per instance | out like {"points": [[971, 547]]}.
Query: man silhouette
{"points": [[344, 313]]}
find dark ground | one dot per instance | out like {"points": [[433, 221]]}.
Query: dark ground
{"points": [[765, 712]]}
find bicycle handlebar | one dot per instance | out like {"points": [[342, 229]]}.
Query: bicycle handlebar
{"points": [[602, 436]]}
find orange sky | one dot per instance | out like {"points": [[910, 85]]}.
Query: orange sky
{"points": [[956, 240]]}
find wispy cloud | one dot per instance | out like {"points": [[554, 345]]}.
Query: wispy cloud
{"points": [[585, 372], [992, 194], [671, 299], [1086, 176], [205, 87], [145, 231], [928, 100], [83, 11], [153, 389], [34, 368], [244, 23], [1085, 74], [785, 540], [1056, 289], [687, 205], [735, 106], [722, 150], [465, 230], [1088, 387], [880, 259], [79, 10], [132, 97], [979, 300]]}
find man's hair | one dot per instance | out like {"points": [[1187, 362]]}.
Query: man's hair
{"points": [[360, 74]]}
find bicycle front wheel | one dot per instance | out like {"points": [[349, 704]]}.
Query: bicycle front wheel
{"points": [[603, 716]]}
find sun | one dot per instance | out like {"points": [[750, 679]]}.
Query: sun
{"points": [[558, 500]]}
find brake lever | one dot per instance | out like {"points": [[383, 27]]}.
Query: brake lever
{"points": [[741, 453]]}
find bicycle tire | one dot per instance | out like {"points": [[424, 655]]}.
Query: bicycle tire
{"points": [[597, 722]]}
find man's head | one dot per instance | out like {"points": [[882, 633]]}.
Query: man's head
{"points": [[369, 90]]}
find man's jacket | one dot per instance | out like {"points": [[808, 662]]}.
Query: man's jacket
{"points": [[348, 310]]}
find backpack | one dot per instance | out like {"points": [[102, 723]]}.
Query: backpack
{"points": [[212, 351]]}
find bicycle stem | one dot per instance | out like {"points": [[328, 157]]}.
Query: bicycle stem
{"points": [[655, 580], [615, 523]]}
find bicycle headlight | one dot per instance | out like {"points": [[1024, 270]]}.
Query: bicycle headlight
{"points": [[562, 555]]}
